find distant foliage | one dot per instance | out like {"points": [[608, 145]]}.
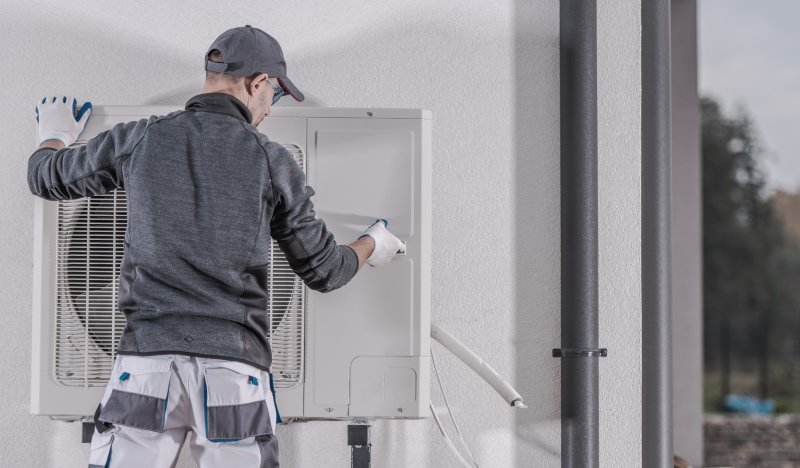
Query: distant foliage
{"points": [[750, 266]]}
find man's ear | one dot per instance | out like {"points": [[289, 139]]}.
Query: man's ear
{"points": [[257, 83]]}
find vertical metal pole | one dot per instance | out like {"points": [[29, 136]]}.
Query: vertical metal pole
{"points": [[579, 321], [657, 449]]}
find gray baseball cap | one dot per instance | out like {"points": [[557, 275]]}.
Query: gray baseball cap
{"points": [[248, 51]]}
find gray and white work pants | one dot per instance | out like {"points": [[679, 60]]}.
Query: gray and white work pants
{"points": [[151, 402]]}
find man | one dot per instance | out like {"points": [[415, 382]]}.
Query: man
{"points": [[205, 192]]}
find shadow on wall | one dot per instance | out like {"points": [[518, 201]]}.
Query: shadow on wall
{"points": [[537, 231], [112, 60]]}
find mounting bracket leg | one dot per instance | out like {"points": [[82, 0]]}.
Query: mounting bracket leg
{"points": [[360, 446]]}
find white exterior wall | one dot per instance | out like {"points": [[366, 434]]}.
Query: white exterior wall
{"points": [[619, 95], [489, 73]]}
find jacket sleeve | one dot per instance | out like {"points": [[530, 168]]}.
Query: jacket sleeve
{"points": [[84, 171], [309, 247]]}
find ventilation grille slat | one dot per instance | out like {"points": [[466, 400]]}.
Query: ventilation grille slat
{"points": [[88, 323]]}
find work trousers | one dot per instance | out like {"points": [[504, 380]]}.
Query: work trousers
{"points": [[151, 402]]}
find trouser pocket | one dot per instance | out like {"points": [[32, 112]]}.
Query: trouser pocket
{"points": [[140, 387], [235, 401]]}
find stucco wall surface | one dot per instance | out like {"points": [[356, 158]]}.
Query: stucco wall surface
{"points": [[489, 73], [619, 136]]}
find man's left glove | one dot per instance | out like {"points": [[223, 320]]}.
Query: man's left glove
{"points": [[57, 119]]}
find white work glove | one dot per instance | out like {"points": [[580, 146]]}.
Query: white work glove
{"points": [[386, 243], [57, 119]]}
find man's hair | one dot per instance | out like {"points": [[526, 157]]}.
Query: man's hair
{"points": [[215, 55]]}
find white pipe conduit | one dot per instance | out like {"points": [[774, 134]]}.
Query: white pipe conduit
{"points": [[481, 367]]}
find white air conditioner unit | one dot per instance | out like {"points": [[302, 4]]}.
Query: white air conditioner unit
{"points": [[359, 351]]}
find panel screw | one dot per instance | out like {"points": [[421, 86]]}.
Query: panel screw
{"points": [[329, 410], [399, 410]]}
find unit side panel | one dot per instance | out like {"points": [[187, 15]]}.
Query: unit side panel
{"points": [[361, 170]]}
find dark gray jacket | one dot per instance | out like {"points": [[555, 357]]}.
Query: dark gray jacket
{"points": [[205, 192]]}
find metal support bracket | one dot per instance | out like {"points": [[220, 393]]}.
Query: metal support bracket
{"points": [[580, 352], [360, 446], [87, 431]]}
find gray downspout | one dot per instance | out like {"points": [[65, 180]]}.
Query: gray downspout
{"points": [[579, 322], [657, 449]]}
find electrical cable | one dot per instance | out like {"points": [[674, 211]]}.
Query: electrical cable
{"points": [[447, 438], [450, 411], [480, 367]]}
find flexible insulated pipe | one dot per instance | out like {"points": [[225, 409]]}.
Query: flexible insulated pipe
{"points": [[481, 367]]}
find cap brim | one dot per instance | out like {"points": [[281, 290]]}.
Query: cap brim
{"points": [[290, 88]]}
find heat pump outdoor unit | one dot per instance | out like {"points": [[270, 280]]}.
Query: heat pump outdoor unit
{"points": [[359, 351]]}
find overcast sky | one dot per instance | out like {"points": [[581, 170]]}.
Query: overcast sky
{"points": [[750, 55]]}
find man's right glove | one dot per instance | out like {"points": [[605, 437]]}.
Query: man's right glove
{"points": [[386, 243]]}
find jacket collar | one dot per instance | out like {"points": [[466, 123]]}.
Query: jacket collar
{"points": [[220, 102]]}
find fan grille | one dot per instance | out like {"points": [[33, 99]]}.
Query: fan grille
{"points": [[88, 323]]}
